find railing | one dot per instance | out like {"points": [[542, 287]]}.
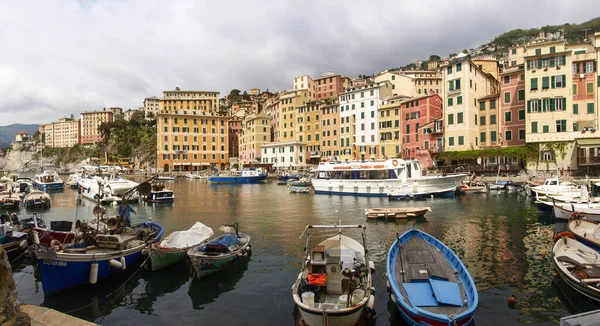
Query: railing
{"points": [[436, 149], [588, 160]]}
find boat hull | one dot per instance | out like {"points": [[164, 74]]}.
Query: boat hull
{"points": [[345, 318], [49, 186], [205, 266], [162, 258], [14, 249], [61, 274], [587, 290], [237, 179], [560, 212], [415, 319]]}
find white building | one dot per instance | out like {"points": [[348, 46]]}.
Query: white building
{"points": [[151, 107], [285, 156], [360, 104], [305, 82]]}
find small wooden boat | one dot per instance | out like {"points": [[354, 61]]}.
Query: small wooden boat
{"points": [[14, 235], [396, 212], [334, 286], [585, 318], [300, 189], [585, 232], [165, 178], [429, 284], [36, 198], [472, 188], [220, 252], [577, 264], [281, 182], [514, 187], [9, 200], [303, 182], [175, 246]]}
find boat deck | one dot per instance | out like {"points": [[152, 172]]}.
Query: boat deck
{"points": [[420, 261]]}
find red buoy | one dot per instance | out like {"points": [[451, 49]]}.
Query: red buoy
{"points": [[563, 234], [512, 300]]}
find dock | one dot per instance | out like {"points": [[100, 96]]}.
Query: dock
{"points": [[396, 212], [42, 316]]}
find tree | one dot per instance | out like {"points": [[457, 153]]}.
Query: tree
{"points": [[234, 95], [435, 57], [465, 51], [452, 55]]}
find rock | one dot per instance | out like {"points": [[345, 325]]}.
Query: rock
{"points": [[10, 311]]}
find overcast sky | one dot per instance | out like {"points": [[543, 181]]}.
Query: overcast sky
{"points": [[64, 57]]}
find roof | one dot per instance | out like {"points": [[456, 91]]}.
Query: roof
{"points": [[588, 141]]}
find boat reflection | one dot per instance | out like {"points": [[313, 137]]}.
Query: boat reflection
{"points": [[206, 290], [573, 300]]}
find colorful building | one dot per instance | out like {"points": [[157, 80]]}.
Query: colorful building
{"points": [[308, 131], [464, 84], [433, 139], [151, 107], [389, 120], [234, 132], [256, 131], [328, 86], [330, 131], [417, 112], [512, 106], [285, 156], [489, 123], [190, 133], [361, 105], [64, 133], [90, 121], [271, 108], [426, 83], [288, 101]]}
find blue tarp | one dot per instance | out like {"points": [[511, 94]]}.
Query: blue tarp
{"points": [[446, 292], [220, 244], [420, 294]]}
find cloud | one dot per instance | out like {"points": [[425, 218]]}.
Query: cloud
{"points": [[64, 57]]}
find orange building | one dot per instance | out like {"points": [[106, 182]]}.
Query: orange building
{"points": [[90, 121]]}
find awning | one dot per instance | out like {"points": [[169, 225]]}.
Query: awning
{"points": [[176, 163], [186, 163], [315, 156], [205, 163], [588, 142], [195, 164]]}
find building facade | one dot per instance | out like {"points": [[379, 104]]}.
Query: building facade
{"points": [[328, 86], [256, 131], [151, 107], [308, 131], [285, 156], [235, 130], [64, 133], [390, 116], [417, 112], [512, 106], [90, 122]]}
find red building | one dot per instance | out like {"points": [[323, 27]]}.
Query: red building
{"points": [[433, 142], [512, 107], [417, 112], [235, 130], [328, 86]]}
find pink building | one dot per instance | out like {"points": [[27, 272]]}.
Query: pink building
{"points": [[512, 106], [417, 112], [433, 142], [328, 86], [235, 129]]}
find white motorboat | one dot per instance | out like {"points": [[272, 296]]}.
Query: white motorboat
{"points": [[48, 179], [22, 186], [107, 190], [380, 178], [334, 285], [36, 198], [565, 211], [553, 187]]}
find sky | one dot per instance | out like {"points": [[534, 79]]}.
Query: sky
{"points": [[62, 57]]}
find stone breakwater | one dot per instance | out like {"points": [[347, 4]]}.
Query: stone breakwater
{"points": [[28, 161]]}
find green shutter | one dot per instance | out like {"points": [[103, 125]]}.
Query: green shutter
{"points": [[552, 82], [528, 65], [594, 66], [577, 67], [564, 59], [590, 108], [540, 63], [534, 83], [529, 106], [543, 106], [564, 78], [575, 108], [534, 127], [552, 62], [563, 125], [564, 104], [545, 81], [552, 104]]}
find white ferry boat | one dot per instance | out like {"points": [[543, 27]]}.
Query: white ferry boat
{"points": [[381, 179]]}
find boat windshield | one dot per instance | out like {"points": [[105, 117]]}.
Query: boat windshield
{"points": [[358, 174]]}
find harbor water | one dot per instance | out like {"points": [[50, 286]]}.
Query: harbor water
{"points": [[502, 239]]}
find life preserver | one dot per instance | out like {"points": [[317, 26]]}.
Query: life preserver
{"points": [[577, 216], [395, 162], [562, 235], [55, 245]]}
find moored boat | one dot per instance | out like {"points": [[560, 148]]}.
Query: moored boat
{"points": [[160, 193], [429, 284], [553, 187], [9, 200], [175, 246], [220, 252], [303, 182], [48, 179], [36, 198], [300, 189], [22, 186], [335, 284], [472, 188], [243, 176], [14, 235], [396, 212], [565, 211], [586, 232], [380, 178], [577, 264]]}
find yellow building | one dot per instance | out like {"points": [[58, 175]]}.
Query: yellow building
{"points": [[190, 133], [516, 55], [288, 102], [426, 83], [64, 133], [489, 121], [90, 121], [401, 84], [256, 131], [464, 84], [330, 131], [305, 83], [308, 131], [390, 131]]}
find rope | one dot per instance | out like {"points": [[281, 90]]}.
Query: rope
{"points": [[19, 256], [143, 264]]}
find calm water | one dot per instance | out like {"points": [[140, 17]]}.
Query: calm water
{"points": [[503, 241]]}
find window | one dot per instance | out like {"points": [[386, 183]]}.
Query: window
{"points": [[493, 119], [559, 81], [459, 100], [461, 139], [393, 77], [589, 88], [449, 70], [561, 125], [552, 49], [450, 100], [521, 114], [482, 121], [521, 134], [482, 137], [534, 126], [574, 89], [450, 119], [575, 109], [481, 106], [492, 104], [451, 141], [514, 51], [589, 66], [545, 129], [590, 108], [507, 79], [538, 51], [459, 117], [459, 67], [534, 84], [521, 95], [547, 156], [507, 116], [508, 135], [492, 136], [575, 68], [507, 97], [533, 105], [545, 82]]}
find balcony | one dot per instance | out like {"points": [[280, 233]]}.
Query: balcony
{"points": [[454, 91], [436, 149], [437, 131], [594, 160]]}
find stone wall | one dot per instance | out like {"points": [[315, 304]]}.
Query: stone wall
{"points": [[10, 309]]}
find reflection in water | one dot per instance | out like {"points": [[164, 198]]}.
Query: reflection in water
{"points": [[206, 290]]}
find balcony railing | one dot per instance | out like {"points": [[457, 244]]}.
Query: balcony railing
{"points": [[595, 160], [436, 149]]}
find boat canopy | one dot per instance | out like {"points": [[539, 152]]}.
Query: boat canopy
{"points": [[182, 239]]}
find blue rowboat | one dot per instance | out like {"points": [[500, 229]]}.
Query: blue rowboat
{"points": [[245, 176], [65, 268], [428, 282]]}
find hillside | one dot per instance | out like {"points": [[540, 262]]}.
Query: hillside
{"points": [[7, 133]]}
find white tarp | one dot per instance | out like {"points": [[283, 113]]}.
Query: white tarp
{"points": [[182, 239]]}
